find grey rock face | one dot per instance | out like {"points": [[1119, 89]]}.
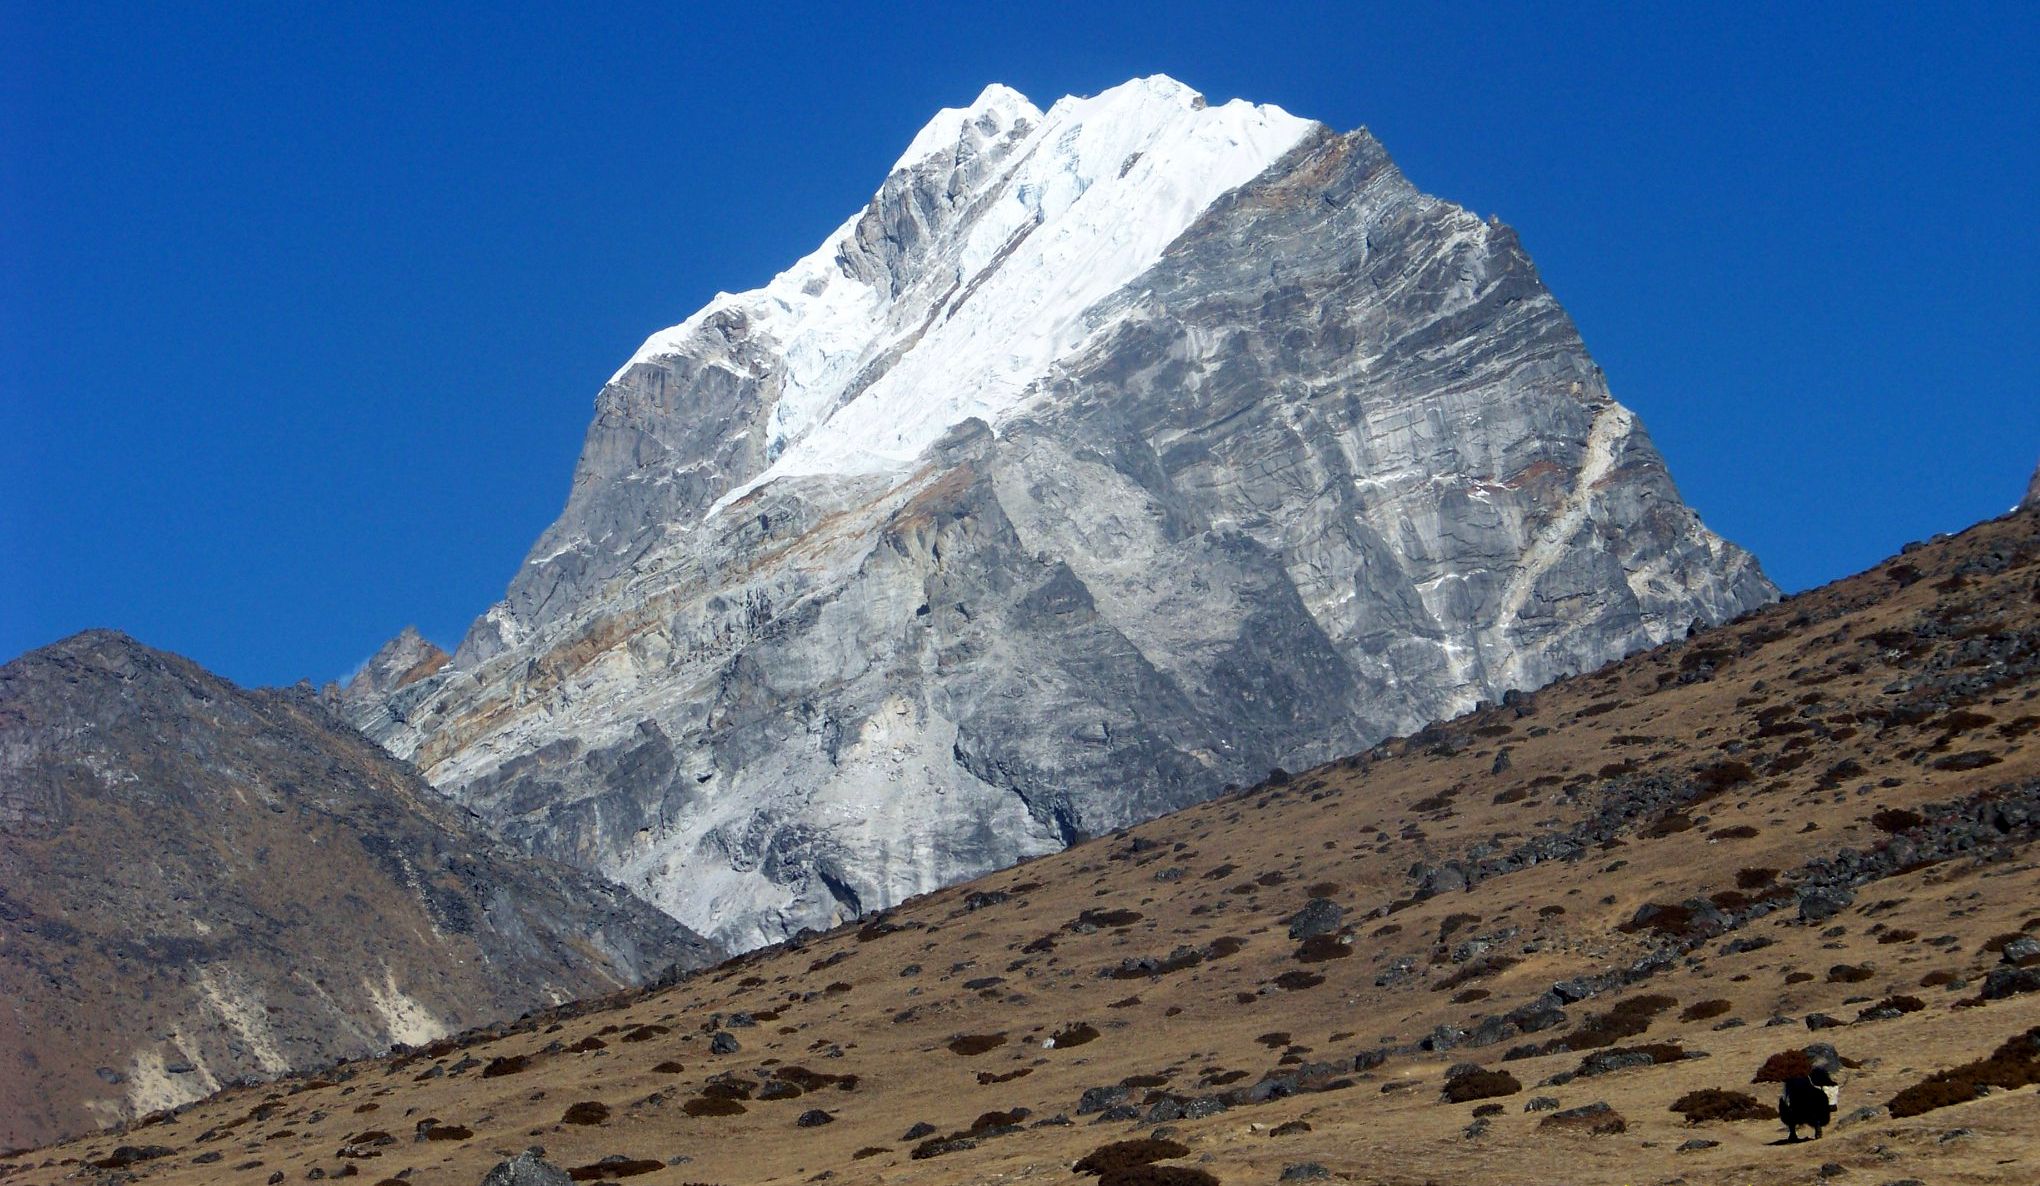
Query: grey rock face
{"points": [[1319, 916], [2032, 498], [403, 660], [201, 884], [526, 1169], [1334, 465]]}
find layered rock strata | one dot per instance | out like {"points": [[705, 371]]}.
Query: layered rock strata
{"points": [[1110, 455]]}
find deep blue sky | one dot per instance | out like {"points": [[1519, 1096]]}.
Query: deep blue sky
{"points": [[302, 312]]}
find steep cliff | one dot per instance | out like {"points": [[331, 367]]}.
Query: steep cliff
{"points": [[1110, 455]]}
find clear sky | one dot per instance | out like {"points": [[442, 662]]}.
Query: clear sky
{"points": [[303, 311]]}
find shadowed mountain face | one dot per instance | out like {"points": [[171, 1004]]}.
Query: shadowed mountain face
{"points": [[200, 884], [1112, 454]]}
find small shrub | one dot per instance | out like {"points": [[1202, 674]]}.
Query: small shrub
{"points": [[1719, 777], [1929, 1094], [1671, 823], [1705, 1010], [2012, 1065], [1894, 820], [1075, 1035], [970, 1045], [1626, 1020], [615, 1167], [586, 1112], [1974, 759], [1712, 1103], [1487, 965], [1786, 1064], [1849, 974], [1124, 1155], [1665, 918], [1480, 1085], [1889, 1005], [1106, 918], [1730, 900], [1455, 922], [705, 1105], [987, 1078], [1963, 720], [987, 1121], [1319, 948]]}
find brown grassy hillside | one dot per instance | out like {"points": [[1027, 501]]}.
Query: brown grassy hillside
{"points": [[1814, 825]]}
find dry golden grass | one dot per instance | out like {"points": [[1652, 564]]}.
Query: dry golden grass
{"points": [[944, 1027]]}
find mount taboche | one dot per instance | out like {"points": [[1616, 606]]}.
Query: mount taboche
{"points": [[1111, 454]]}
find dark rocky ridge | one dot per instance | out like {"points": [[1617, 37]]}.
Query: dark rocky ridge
{"points": [[200, 883]]}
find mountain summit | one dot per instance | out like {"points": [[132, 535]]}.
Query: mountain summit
{"points": [[1111, 454]]}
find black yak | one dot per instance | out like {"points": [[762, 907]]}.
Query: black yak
{"points": [[1808, 1100]]}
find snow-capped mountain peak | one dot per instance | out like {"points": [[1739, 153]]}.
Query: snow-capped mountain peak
{"points": [[1279, 455], [1026, 222], [997, 108]]}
